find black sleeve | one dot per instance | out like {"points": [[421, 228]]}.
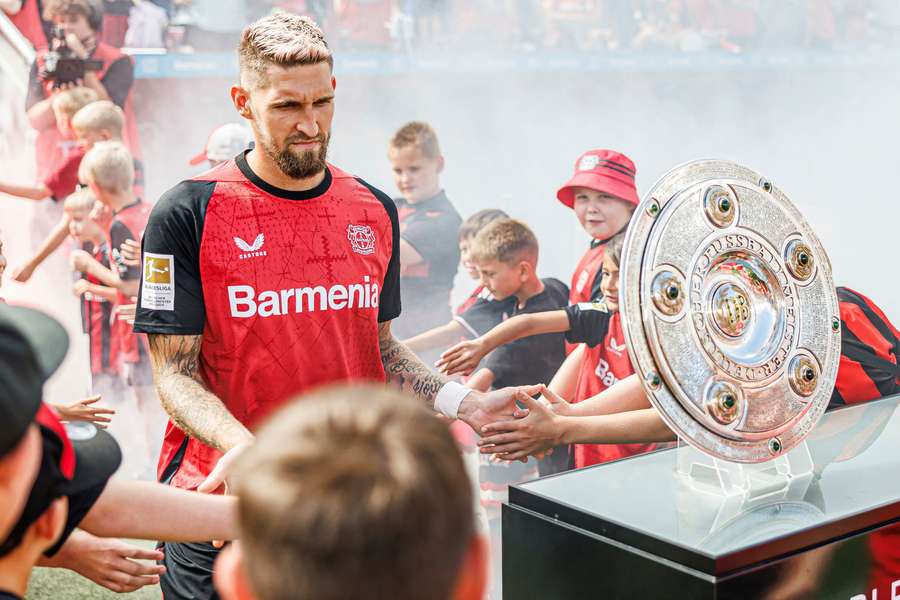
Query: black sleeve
{"points": [[80, 505], [118, 233], [484, 315], [436, 239], [118, 80], [588, 323], [35, 87], [171, 296], [389, 299]]}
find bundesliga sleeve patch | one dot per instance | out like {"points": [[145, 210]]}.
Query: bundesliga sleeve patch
{"points": [[158, 290]]}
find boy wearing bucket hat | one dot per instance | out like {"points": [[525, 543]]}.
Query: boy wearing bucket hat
{"points": [[603, 195]]}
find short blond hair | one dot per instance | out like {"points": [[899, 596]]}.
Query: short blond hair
{"points": [[284, 40], [504, 240], [354, 492], [420, 135], [102, 115], [70, 101], [110, 166], [79, 201]]}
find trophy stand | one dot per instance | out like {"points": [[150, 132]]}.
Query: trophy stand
{"points": [[738, 487]]}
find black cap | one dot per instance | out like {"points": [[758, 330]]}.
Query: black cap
{"points": [[75, 458], [32, 346]]}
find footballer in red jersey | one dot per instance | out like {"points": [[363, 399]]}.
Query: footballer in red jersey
{"points": [[271, 274]]}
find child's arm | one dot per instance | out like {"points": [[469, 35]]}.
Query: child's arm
{"points": [[565, 380], [37, 191], [465, 356], [481, 381], [59, 234], [626, 395], [437, 337], [85, 263], [153, 511], [82, 286], [542, 428]]}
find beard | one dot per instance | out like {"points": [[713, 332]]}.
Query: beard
{"points": [[299, 164]]}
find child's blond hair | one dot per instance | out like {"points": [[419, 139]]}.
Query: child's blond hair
{"points": [[109, 166], [80, 201], [68, 102], [613, 248], [418, 134], [102, 115], [505, 240]]}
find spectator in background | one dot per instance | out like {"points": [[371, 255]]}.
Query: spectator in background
{"points": [[224, 143], [115, 22], [80, 22], [26, 16], [429, 223], [212, 25]]}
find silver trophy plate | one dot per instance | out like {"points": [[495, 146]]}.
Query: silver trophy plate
{"points": [[729, 311]]}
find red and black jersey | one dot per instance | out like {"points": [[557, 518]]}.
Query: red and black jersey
{"points": [[127, 224], [431, 227], [96, 313], [588, 275], [287, 289], [869, 345], [606, 362]]}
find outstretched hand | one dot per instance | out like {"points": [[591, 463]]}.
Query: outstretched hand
{"points": [[530, 432], [479, 408], [86, 410], [112, 563], [218, 477], [461, 358]]}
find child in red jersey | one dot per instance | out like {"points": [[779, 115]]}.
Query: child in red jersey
{"points": [[63, 176], [99, 121], [485, 308], [596, 324], [108, 170]]}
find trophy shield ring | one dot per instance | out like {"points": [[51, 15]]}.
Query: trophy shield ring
{"points": [[729, 311]]}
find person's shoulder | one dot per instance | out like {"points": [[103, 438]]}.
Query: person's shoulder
{"points": [[342, 178], [557, 290], [188, 196]]}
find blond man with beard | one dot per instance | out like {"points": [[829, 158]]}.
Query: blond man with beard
{"points": [[272, 274]]}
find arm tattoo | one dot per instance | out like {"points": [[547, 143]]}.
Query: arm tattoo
{"points": [[193, 408], [405, 370]]}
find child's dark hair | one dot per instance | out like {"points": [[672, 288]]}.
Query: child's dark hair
{"points": [[613, 248], [477, 221]]}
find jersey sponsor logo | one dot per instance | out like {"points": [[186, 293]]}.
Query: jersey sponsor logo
{"points": [[598, 305], [582, 279], [251, 250], [362, 239], [245, 303], [589, 162], [605, 374], [158, 288], [618, 349]]}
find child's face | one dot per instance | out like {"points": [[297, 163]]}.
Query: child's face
{"points": [[465, 260], [416, 175], [87, 139], [600, 214], [609, 285], [63, 124], [81, 227], [502, 279]]}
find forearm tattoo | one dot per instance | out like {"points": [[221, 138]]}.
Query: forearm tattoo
{"points": [[193, 408], [405, 370]]}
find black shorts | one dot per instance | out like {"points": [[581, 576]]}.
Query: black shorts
{"points": [[189, 571]]}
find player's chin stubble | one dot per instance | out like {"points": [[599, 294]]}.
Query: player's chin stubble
{"points": [[300, 165]]}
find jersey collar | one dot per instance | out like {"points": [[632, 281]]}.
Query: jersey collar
{"points": [[241, 161]]}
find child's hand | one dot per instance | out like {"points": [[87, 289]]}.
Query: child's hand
{"points": [[84, 410], [131, 253], [79, 260], [23, 273], [80, 287], [126, 311], [462, 358], [556, 403]]}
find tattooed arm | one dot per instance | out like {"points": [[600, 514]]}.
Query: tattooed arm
{"points": [[404, 369], [192, 407]]}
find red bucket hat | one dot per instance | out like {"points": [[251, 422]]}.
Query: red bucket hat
{"points": [[605, 171]]}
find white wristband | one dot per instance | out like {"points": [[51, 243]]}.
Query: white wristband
{"points": [[449, 397]]}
